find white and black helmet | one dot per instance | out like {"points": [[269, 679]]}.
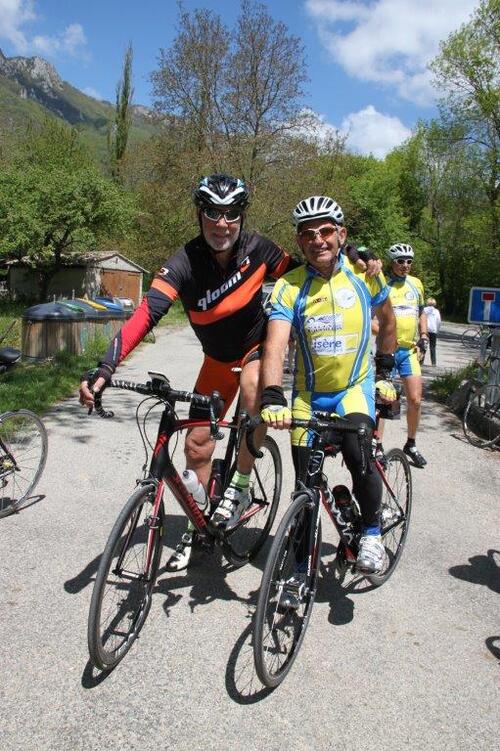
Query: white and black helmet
{"points": [[221, 190], [400, 250], [317, 207]]}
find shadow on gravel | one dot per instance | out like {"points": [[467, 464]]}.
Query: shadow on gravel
{"points": [[493, 644], [482, 569], [242, 684], [91, 677]]}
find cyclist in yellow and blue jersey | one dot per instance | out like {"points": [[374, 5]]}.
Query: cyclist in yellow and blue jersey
{"points": [[407, 297], [328, 303]]}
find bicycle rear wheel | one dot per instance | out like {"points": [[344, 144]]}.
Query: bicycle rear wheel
{"points": [[123, 587], [395, 512], [23, 453], [244, 542], [481, 418], [278, 629]]}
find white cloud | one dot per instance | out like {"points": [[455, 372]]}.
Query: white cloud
{"points": [[72, 42], [371, 132], [13, 15], [389, 41], [366, 132]]}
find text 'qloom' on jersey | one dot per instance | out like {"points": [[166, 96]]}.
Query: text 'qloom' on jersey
{"points": [[211, 296]]}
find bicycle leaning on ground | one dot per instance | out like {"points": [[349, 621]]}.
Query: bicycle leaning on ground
{"points": [[481, 417], [285, 599], [23, 448], [474, 336], [129, 565]]}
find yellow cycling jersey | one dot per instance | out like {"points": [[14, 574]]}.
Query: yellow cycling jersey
{"points": [[407, 297], [332, 321]]}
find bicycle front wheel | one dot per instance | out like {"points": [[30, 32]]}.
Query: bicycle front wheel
{"points": [[23, 453], [395, 512], [282, 616], [481, 418], [244, 542], [123, 587]]}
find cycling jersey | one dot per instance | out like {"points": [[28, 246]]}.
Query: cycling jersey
{"points": [[407, 297], [332, 320], [224, 306]]}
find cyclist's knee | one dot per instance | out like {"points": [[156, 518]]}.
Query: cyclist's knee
{"points": [[198, 447]]}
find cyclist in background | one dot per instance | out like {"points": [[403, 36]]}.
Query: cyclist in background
{"points": [[328, 302], [218, 277], [407, 297]]}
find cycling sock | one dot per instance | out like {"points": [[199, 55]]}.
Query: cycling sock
{"points": [[375, 530], [240, 481]]}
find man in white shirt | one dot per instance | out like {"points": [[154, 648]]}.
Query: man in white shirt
{"points": [[433, 326]]}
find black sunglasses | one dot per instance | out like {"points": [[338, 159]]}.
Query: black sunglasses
{"points": [[231, 215], [409, 261]]}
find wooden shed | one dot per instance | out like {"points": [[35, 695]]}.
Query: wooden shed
{"points": [[106, 273]]}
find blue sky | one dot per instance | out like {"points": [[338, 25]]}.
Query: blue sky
{"points": [[366, 59]]}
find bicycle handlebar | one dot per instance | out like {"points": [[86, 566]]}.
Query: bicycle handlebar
{"points": [[318, 423], [162, 389]]}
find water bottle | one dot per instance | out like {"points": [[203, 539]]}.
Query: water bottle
{"points": [[194, 486]]}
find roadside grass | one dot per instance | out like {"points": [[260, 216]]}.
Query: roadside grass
{"points": [[446, 384], [11, 313], [37, 386]]}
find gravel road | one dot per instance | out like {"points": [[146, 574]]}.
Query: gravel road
{"points": [[412, 665]]}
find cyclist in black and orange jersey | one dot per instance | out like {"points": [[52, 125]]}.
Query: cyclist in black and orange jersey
{"points": [[218, 277]]}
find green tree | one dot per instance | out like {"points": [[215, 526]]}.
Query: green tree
{"points": [[118, 132], [467, 73], [55, 204]]}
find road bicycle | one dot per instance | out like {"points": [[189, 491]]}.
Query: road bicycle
{"points": [[481, 417], [129, 565], [475, 335], [23, 446], [286, 598]]}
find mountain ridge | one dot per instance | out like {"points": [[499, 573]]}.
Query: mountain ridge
{"points": [[31, 88]]}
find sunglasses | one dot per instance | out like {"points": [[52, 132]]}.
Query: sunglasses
{"points": [[231, 215], [309, 235], [401, 261]]}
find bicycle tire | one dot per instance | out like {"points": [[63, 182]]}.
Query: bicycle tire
{"points": [[395, 512], [480, 422], [23, 455], [111, 634], [470, 337], [242, 544], [269, 623]]}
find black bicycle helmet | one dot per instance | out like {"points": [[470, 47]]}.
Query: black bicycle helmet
{"points": [[221, 190]]}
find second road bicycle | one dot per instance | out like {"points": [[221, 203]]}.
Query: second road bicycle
{"points": [[290, 578]]}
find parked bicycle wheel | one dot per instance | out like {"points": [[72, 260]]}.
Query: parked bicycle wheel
{"points": [[279, 629], [471, 337], [395, 512], [127, 572], [23, 453], [481, 418], [243, 544]]}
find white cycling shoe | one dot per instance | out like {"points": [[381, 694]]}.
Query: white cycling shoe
{"points": [[230, 509], [371, 554]]}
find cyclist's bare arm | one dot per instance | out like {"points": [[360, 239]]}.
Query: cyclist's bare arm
{"points": [[386, 338], [278, 334]]}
